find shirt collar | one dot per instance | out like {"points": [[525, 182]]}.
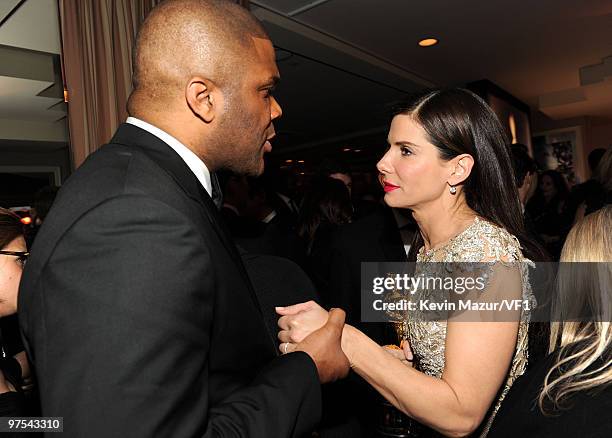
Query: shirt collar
{"points": [[269, 217], [194, 162]]}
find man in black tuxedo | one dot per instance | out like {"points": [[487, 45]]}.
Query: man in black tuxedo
{"points": [[136, 309]]}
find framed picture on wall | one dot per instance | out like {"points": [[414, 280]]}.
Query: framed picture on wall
{"points": [[561, 150]]}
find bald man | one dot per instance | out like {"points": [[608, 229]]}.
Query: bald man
{"points": [[135, 307]]}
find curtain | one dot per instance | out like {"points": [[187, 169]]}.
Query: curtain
{"points": [[97, 41]]}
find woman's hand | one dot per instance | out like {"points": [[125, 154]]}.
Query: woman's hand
{"points": [[299, 320], [403, 354]]}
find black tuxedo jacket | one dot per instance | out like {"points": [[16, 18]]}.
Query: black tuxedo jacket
{"points": [[138, 314]]}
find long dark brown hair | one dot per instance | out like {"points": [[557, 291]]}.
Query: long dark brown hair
{"points": [[10, 227], [457, 121]]}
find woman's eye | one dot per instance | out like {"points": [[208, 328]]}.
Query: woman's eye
{"points": [[405, 151]]}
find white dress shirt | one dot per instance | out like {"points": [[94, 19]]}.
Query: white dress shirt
{"points": [[192, 161]]}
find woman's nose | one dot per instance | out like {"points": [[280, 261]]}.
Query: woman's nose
{"points": [[383, 165]]}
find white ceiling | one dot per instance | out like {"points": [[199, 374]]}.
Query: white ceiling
{"points": [[19, 101], [6, 6], [34, 26], [34, 29]]}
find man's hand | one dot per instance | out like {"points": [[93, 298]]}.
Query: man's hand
{"points": [[323, 346]]}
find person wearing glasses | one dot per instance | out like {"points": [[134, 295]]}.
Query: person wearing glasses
{"points": [[13, 255]]}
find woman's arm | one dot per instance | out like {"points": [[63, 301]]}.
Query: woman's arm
{"points": [[478, 356], [477, 359]]}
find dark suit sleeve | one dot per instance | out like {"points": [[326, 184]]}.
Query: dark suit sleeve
{"points": [[120, 329]]}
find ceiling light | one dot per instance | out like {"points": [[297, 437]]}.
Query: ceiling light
{"points": [[428, 42], [346, 150], [288, 161], [357, 150]]}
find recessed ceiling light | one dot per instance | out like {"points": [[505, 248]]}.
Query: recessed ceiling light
{"points": [[428, 42], [288, 161], [300, 161], [346, 149], [357, 150]]}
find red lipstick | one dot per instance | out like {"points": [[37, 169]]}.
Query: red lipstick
{"points": [[388, 187]]}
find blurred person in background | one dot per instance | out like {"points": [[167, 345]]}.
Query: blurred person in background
{"points": [[599, 192], [570, 392], [336, 169], [326, 207], [282, 192], [235, 189], [526, 173], [268, 227], [549, 210], [580, 192]]}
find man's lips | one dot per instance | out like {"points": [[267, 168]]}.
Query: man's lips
{"points": [[267, 146], [388, 187]]}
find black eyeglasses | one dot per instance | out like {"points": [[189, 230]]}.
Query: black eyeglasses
{"points": [[22, 256]]}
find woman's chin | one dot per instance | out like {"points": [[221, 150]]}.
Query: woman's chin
{"points": [[393, 200]]}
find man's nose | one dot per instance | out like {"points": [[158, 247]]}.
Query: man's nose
{"points": [[275, 110]]}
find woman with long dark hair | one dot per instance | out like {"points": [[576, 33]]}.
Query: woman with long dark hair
{"points": [[448, 162]]}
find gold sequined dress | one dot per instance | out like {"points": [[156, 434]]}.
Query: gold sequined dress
{"points": [[480, 242]]}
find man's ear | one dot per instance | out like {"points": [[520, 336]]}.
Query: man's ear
{"points": [[461, 167], [203, 98]]}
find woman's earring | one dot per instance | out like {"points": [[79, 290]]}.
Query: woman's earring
{"points": [[453, 190]]}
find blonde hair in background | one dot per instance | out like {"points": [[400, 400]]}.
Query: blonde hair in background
{"points": [[589, 240]]}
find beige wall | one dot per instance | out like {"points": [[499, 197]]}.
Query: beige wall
{"points": [[601, 135]]}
